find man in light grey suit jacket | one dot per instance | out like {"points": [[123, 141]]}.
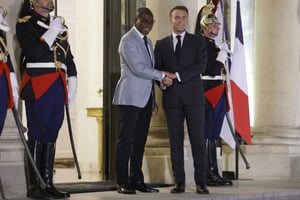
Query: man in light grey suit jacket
{"points": [[134, 94]]}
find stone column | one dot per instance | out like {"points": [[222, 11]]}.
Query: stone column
{"points": [[157, 165], [276, 91], [277, 65], [11, 161]]}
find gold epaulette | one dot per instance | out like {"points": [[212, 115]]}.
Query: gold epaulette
{"points": [[24, 19]]}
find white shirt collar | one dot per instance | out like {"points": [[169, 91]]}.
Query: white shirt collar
{"points": [[141, 35], [182, 35]]}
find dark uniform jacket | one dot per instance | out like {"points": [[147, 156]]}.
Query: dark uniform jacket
{"points": [[213, 88], [213, 67], [35, 50]]}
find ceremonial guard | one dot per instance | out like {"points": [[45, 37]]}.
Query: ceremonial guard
{"points": [[49, 82], [8, 81], [215, 87]]}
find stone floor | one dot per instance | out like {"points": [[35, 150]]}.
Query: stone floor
{"points": [[242, 189]]}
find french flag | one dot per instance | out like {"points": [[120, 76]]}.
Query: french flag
{"points": [[238, 83], [225, 134]]}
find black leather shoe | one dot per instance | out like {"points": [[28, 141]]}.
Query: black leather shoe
{"points": [[179, 188], [216, 180], [227, 182], [202, 189], [125, 189], [224, 182], [142, 187]]}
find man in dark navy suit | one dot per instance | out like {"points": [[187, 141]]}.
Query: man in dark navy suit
{"points": [[184, 55]]}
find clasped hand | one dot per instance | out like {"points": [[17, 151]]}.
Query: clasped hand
{"points": [[167, 81]]}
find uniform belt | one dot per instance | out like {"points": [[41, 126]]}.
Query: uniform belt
{"points": [[212, 77], [45, 65]]}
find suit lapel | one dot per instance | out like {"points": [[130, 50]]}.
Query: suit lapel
{"points": [[172, 45], [141, 42], [151, 51], [185, 45], [185, 40], [143, 48], [171, 49], [134, 36]]}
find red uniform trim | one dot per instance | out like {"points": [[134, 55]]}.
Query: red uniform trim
{"points": [[41, 83], [4, 67], [214, 94]]}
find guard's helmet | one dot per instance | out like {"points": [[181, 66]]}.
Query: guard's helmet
{"points": [[207, 16], [209, 19]]}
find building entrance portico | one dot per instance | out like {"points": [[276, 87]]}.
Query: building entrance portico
{"points": [[95, 29]]}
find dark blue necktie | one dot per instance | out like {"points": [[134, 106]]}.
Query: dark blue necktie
{"points": [[152, 91], [146, 44], [178, 47]]}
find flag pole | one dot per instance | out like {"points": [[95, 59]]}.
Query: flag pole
{"points": [[223, 22], [55, 8], [236, 162], [69, 119], [238, 148]]}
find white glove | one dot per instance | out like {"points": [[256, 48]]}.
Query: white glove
{"points": [[55, 28], [224, 46], [222, 56], [3, 25], [15, 88], [72, 87]]}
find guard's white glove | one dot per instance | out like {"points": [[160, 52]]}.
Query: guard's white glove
{"points": [[222, 56], [72, 87], [3, 25], [55, 27], [15, 88], [224, 46]]}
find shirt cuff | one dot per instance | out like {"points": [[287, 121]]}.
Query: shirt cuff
{"points": [[163, 75], [178, 77]]}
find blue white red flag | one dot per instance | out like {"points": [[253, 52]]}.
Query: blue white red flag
{"points": [[221, 39], [238, 83]]}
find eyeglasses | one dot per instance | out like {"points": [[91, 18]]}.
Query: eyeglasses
{"points": [[147, 21]]}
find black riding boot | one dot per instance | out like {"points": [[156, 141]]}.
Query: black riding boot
{"points": [[214, 178], [48, 164], [33, 186]]}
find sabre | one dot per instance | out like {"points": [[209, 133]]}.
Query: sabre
{"points": [[72, 142], [236, 141], [21, 132], [69, 120]]}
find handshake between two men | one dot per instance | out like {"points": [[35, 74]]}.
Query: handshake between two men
{"points": [[167, 81]]}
